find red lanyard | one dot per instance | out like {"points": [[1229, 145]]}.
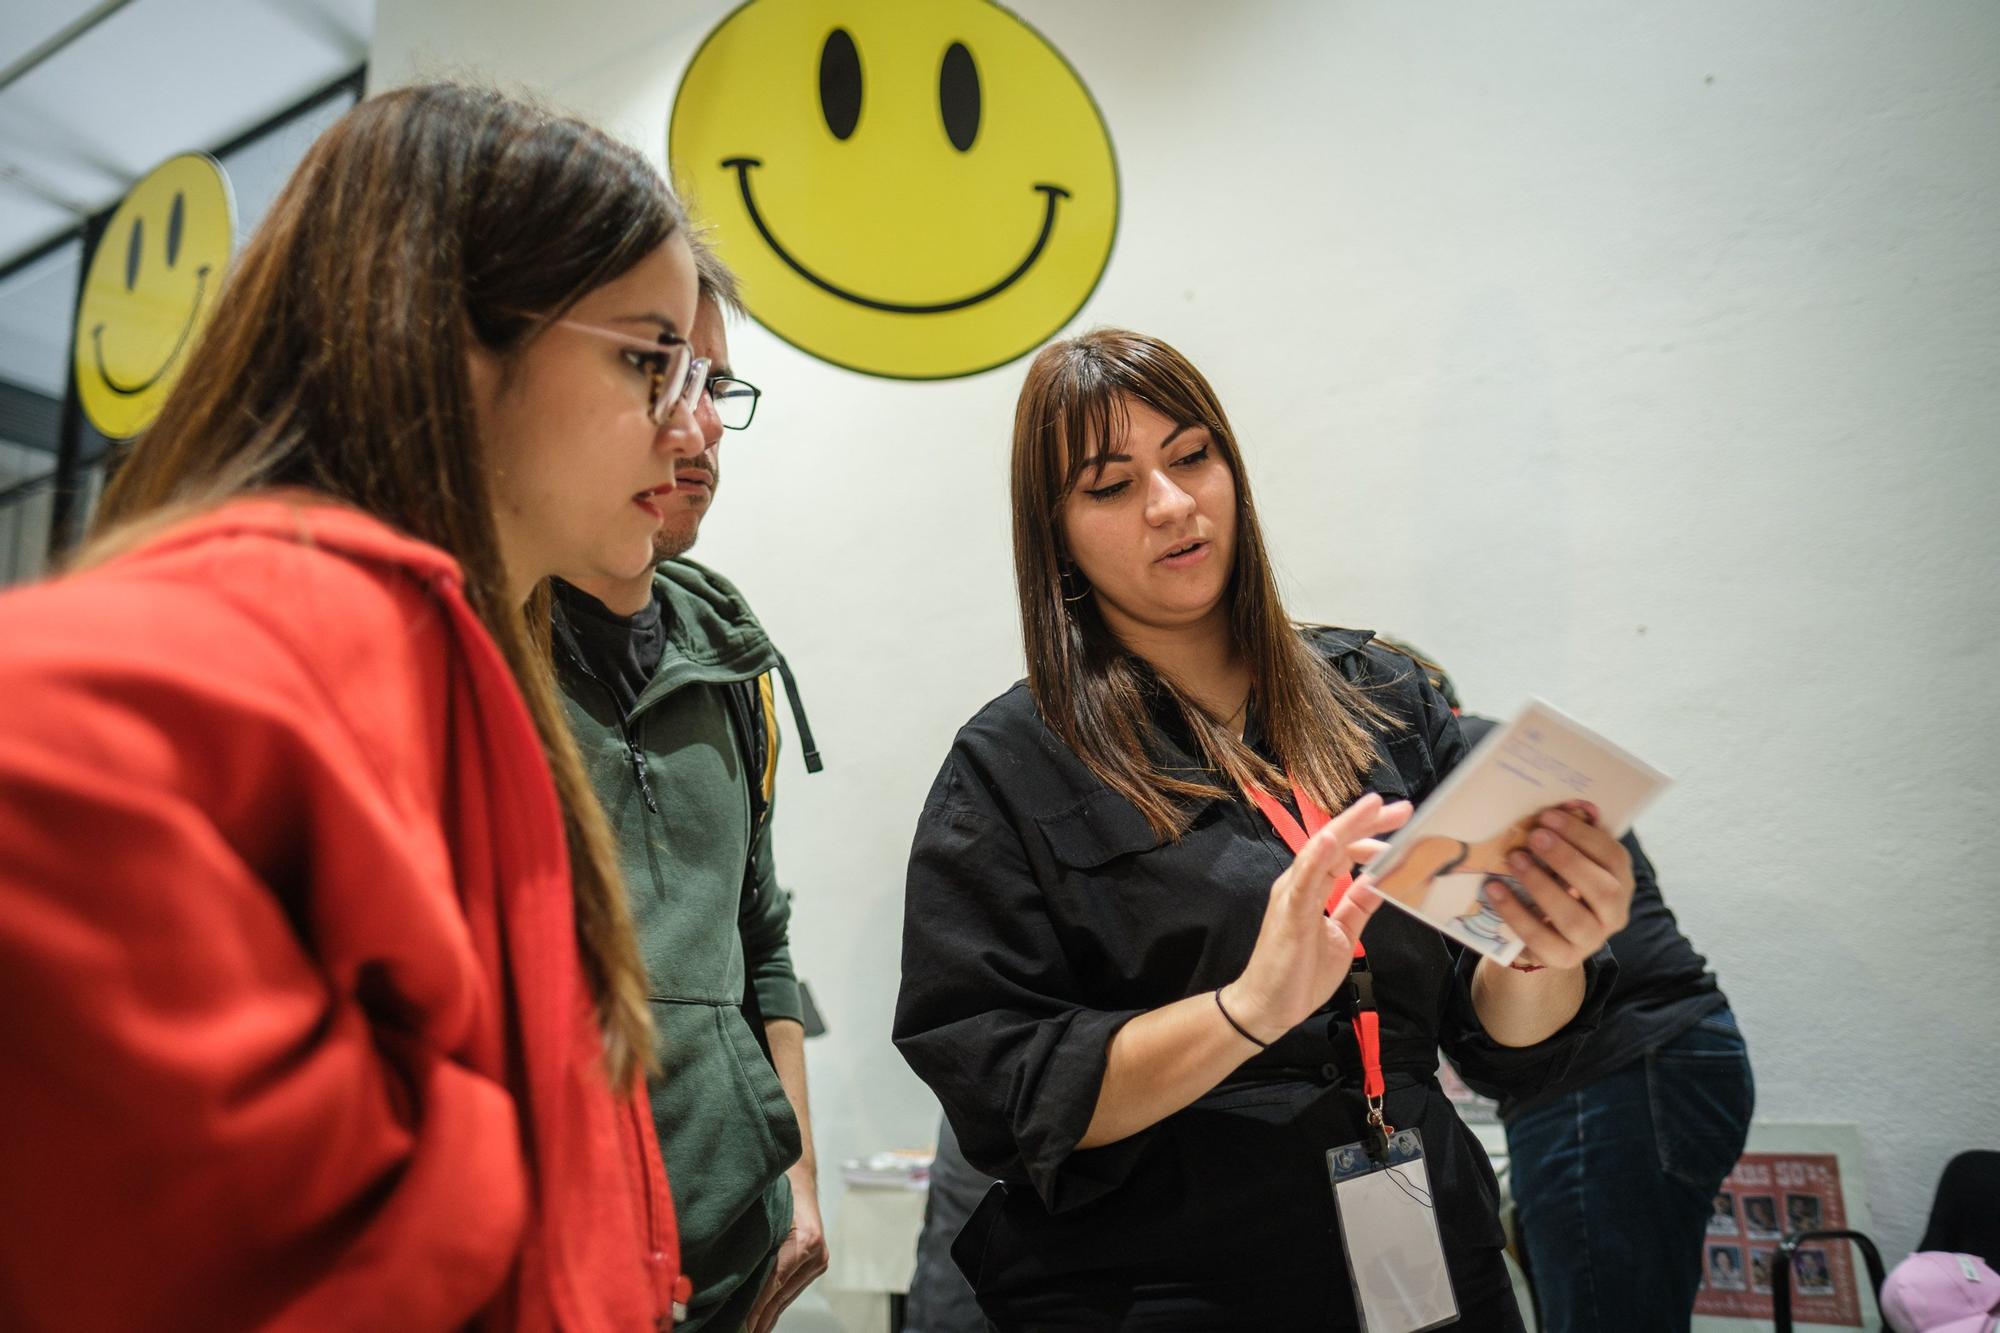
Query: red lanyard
{"points": [[1360, 981]]}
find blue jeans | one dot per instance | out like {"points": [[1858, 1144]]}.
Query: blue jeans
{"points": [[1614, 1183]]}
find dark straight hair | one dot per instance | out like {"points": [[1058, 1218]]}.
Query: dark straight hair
{"points": [[1093, 691], [717, 280], [425, 222]]}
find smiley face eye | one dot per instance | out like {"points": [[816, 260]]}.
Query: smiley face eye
{"points": [[175, 219], [132, 249], [958, 96], [840, 83]]}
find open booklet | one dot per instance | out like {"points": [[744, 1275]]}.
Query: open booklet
{"points": [[1437, 863]]}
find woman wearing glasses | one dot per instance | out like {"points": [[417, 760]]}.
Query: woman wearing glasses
{"points": [[1149, 1041], [323, 1009]]}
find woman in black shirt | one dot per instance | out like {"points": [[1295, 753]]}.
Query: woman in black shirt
{"points": [[1116, 977]]}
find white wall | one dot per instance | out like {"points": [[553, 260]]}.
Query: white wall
{"points": [[1640, 357]]}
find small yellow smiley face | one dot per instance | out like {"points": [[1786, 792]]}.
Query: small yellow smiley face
{"points": [[151, 287], [912, 188]]}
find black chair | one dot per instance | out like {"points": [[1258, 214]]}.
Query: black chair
{"points": [[1781, 1271]]}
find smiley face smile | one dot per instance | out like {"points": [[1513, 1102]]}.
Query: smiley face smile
{"points": [[742, 165], [132, 390]]}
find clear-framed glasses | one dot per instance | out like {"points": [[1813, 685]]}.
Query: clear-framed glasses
{"points": [[675, 376], [735, 400]]}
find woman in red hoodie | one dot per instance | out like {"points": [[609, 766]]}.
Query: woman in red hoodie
{"points": [[318, 1002]]}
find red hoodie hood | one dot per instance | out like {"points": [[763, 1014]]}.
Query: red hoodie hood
{"points": [[271, 768]]}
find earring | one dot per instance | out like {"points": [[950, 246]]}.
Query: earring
{"points": [[1067, 572]]}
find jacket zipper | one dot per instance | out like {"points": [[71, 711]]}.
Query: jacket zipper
{"points": [[632, 753]]}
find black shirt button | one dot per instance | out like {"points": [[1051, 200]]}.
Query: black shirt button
{"points": [[1329, 1072]]}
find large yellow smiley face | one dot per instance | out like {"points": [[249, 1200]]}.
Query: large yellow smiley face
{"points": [[911, 188], [151, 287]]}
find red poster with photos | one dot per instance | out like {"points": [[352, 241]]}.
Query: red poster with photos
{"points": [[1767, 1196]]}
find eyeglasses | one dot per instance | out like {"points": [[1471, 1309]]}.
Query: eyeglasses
{"points": [[735, 400], [675, 375]]}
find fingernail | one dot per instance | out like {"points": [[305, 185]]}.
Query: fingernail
{"points": [[1541, 839], [1519, 860]]}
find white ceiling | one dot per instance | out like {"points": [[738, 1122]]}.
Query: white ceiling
{"points": [[154, 78]]}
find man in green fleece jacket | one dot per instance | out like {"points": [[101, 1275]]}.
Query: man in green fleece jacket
{"points": [[654, 674]]}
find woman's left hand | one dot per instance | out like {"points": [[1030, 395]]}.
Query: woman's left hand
{"points": [[1580, 880]]}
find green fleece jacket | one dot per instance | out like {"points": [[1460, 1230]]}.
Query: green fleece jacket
{"points": [[726, 1130]]}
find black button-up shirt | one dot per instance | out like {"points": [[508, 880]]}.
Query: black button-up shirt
{"points": [[1043, 913]]}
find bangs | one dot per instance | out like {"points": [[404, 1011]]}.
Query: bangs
{"points": [[1086, 422], [1088, 407]]}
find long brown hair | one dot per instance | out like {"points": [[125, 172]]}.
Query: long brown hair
{"points": [[425, 222], [1092, 690]]}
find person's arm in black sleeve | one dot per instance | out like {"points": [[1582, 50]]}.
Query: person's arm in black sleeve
{"points": [[988, 1013], [1500, 1071], [1492, 1069], [991, 1018], [1523, 1071], [1488, 1066]]}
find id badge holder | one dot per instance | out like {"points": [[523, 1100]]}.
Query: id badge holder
{"points": [[1388, 1228]]}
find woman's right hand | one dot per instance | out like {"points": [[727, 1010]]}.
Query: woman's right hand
{"points": [[1303, 953]]}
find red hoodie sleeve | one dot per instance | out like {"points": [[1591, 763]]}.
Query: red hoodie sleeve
{"points": [[234, 976]]}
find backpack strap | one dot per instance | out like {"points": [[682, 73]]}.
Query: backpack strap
{"points": [[756, 734], [767, 712]]}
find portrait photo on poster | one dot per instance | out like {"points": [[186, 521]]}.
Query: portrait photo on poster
{"points": [[1722, 1221], [1725, 1268], [1760, 1217]]}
